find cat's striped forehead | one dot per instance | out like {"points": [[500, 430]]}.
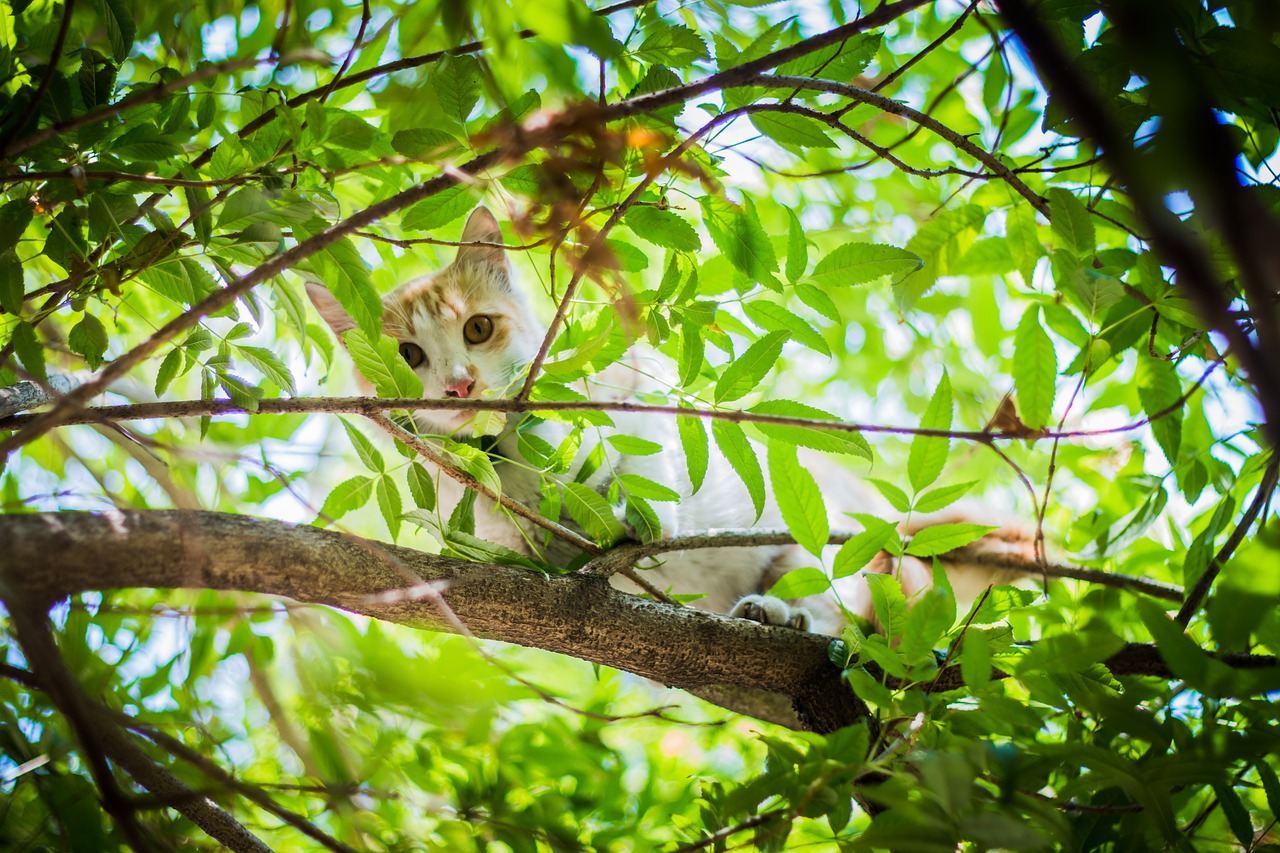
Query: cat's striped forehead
{"points": [[447, 297]]}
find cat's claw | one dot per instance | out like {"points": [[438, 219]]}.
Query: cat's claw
{"points": [[768, 610]]}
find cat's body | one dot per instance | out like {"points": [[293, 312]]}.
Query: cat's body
{"points": [[466, 330]]}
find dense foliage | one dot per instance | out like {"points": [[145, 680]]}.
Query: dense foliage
{"points": [[1045, 230]]}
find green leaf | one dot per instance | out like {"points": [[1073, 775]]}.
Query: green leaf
{"points": [[249, 205], [926, 622], [242, 393], [168, 370], [643, 520], [474, 461], [998, 603], [733, 443], [1159, 390], [341, 268], [1270, 784], [592, 513], [29, 350], [380, 362], [268, 364], [12, 286], [1035, 367], [793, 129], [799, 499], [1070, 652], [1237, 815], [89, 338], [799, 583], [457, 84], [1071, 222], [941, 538], [819, 301], [737, 234], [944, 496], [859, 263], [120, 26], [643, 487], [145, 143], [693, 440], [797, 248], [423, 143], [861, 549], [889, 603], [975, 659], [346, 496], [827, 440], [772, 317], [568, 22], [743, 374], [389, 505], [422, 487], [438, 210], [349, 131], [674, 46], [632, 446], [15, 216], [929, 453], [895, 496], [367, 453], [662, 228]]}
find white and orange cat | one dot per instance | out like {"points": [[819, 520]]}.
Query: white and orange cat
{"points": [[467, 330]]}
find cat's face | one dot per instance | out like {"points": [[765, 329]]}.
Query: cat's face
{"points": [[465, 330]]}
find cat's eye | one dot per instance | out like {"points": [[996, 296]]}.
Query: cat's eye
{"points": [[478, 329], [412, 354]]}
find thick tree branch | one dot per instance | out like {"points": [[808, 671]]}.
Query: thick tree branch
{"points": [[48, 556]]}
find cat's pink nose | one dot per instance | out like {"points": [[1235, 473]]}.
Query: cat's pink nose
{"points": [[460, 387]]}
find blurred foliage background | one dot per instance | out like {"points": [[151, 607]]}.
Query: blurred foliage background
{"points": [[166, 151]]}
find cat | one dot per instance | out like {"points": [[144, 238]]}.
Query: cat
{"points": [[468, 330]]}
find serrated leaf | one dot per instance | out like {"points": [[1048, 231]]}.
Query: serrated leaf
{"points": [[438, 210], [643, 487], [1035, 367], [29, 350], [345, 273], [663, 228], [693, 440], [975, 659], [390, 505], [423, 143], [733, 443], [120, 26], [816, 438], [1159, 390], [15, 216], [643, 520], [457, 84], [346, 496], [998, 603], [744, 373], [145, 143], [797, 248], [889, 603], [799, 499], [241, 392], [793, 129], [592, 513], [380, 362], [89, 338], [422, 487], [926, 622], [168, 370], [936, 499], [799, 583], [772, 317], [1071, 222], [269, 365], [1071, 652], [737, 234], [369, 455], [349, 131], [941, 538], [633, 446], [819, 301], [856, 553], [896, 497], [929, 453], [474, 461], [859, 263], [675, 46]]}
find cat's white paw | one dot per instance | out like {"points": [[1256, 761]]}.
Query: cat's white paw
{"points": [[768, 610]]}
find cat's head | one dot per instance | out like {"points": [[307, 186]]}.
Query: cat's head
{"points": [[464, 330]]}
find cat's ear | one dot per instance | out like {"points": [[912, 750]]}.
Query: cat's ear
{"points": [[330, 309], [481, 227]]}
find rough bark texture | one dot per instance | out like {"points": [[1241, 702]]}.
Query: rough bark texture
{"points": [[47, 556]]}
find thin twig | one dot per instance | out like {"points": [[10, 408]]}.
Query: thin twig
{"points": [[50, 71]]}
